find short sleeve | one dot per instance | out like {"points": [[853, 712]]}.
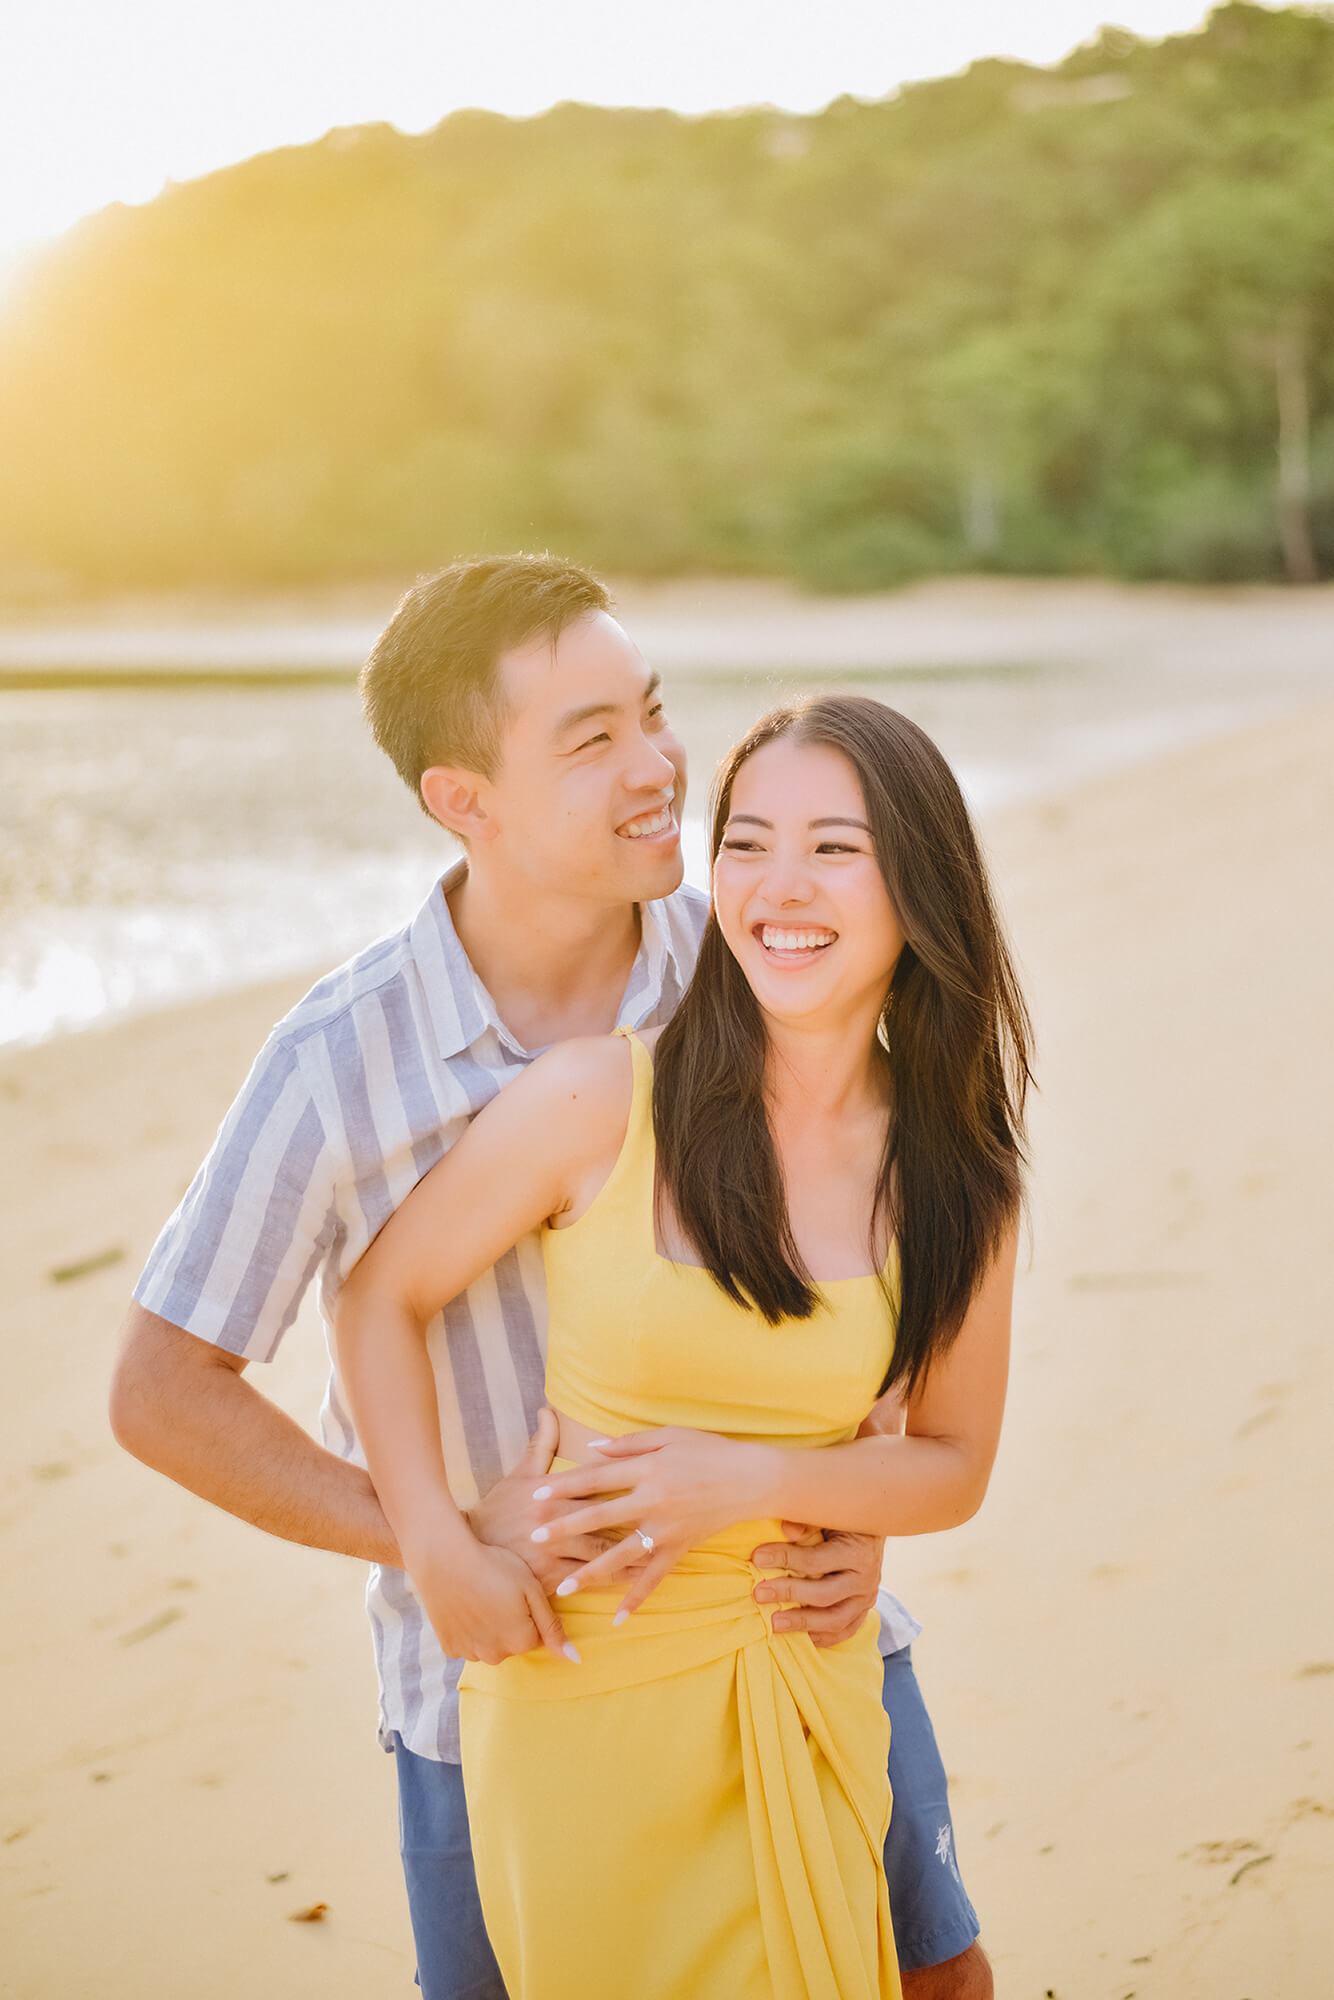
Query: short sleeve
{"points": [[233, 1263]]}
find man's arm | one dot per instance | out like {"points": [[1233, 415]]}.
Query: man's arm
{"points": [[183, 1407]]}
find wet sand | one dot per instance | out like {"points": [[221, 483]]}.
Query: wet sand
{"points": [[1129, 1654]]}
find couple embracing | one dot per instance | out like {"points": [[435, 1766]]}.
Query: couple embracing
{"points": [[667, 1249]]}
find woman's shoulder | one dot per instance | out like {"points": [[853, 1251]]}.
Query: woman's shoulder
{"points": [[589, 1078]]}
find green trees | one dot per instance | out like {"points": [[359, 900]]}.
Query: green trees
{"points": [[1019, 319], [1224, 285]]}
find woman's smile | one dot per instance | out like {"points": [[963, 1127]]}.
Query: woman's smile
{"points": [[793, 944]]}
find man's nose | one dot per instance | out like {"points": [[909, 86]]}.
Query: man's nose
{"points": [[650, 770]]}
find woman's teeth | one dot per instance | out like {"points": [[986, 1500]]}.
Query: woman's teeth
{"points": [[648, 823], [775, 940]]}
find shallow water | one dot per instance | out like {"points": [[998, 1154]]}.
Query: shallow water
{"points": [[164, 841]]}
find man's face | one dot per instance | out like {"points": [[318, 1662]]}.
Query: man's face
{"points": [[588, 795]]}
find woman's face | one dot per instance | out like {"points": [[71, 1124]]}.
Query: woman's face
{"points": [[798, 891]]}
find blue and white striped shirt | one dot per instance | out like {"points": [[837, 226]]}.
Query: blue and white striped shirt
{"points": [[356, 1095]]}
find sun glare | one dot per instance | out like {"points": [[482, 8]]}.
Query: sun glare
{"points": [[103, 104]]}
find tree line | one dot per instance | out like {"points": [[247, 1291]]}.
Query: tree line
{"points": [[1019, 319]]}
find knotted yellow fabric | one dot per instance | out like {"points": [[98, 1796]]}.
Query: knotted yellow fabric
{"points": [[698, 1810]]}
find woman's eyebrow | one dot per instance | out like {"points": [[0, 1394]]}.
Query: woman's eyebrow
{"points": [[753, 819]]}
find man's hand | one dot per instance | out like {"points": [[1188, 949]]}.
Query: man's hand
{"points": [[829, 1583], [505, 1517]]}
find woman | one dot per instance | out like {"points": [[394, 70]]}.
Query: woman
{"points": [[802, 1203]]}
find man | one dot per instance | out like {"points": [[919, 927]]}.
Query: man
{"points": [[528, 724]]}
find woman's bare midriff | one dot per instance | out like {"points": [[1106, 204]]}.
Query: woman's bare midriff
{"points": [[575, 1441]]}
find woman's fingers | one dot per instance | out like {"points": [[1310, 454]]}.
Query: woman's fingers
{"points": [[620, 1560], [645, 1583], [632, 1444], [593, 1520], [584, 1548], [580, 1481], [549, 1628]]}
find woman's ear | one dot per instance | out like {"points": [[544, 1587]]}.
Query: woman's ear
{"points": [[458, 800]]}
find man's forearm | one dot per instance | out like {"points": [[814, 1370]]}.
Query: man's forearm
{"points": [[188, 1413]]}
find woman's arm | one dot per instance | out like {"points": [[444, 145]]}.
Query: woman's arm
{"points": [[682, 1486], [524, 1159], [935, 1473]]}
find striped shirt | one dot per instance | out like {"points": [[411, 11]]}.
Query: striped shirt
{"points": [[356, 1095]]}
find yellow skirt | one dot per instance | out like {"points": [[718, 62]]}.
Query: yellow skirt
{"points": [[697, 1812]]}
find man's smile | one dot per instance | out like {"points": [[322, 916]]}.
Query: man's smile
{"points": [[654, 825]]}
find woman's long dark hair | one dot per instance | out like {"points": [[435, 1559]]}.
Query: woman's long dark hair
{"points": [[958, 1058]]}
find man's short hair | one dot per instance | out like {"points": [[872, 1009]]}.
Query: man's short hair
{"points": [[430, 687]]}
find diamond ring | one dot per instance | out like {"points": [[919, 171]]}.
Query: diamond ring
{"points": [[647, 1540]]}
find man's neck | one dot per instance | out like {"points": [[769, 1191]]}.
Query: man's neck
{"points": [[555, 967]]}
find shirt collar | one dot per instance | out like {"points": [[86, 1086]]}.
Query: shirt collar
{"points": [[461, 1009]]}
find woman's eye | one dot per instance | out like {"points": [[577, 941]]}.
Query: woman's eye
{"points": [[741, 846], [836, 847]]}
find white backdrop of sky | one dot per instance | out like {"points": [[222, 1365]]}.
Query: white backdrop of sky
{"points": [[104, 102]]}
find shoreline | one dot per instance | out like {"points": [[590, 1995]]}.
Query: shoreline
{"points": [[698, 625], [101, 941], [1126, 1656]]}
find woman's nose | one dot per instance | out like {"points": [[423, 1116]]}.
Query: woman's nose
{"points": [[787, 880]]}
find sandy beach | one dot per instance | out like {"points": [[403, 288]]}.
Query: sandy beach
{"points": [[1129, 1654]]}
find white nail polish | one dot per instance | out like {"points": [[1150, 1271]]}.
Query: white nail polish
{"points": [[539, 1535], [571, 1653], [568, 1587], [620, 1618], [596, 1444], [541, 1493]]}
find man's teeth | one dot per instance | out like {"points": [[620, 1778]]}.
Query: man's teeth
{"points": [[776, 940], [639, 829]]}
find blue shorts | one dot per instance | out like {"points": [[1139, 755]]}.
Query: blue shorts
{"points": [[933, 1918]]}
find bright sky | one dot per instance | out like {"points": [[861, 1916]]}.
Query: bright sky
{"points": [[104, 100]]}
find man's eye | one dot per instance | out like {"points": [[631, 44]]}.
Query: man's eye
{"points": [[657, 713], [601, 737]]}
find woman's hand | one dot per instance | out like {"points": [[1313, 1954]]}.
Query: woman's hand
{"points": [[676, 1486], [485, 1604]]}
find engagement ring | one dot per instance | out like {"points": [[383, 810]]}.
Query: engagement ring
{"points": [[647, 1540]]}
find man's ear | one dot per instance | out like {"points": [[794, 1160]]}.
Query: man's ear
{"points": [[460, 801]]}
